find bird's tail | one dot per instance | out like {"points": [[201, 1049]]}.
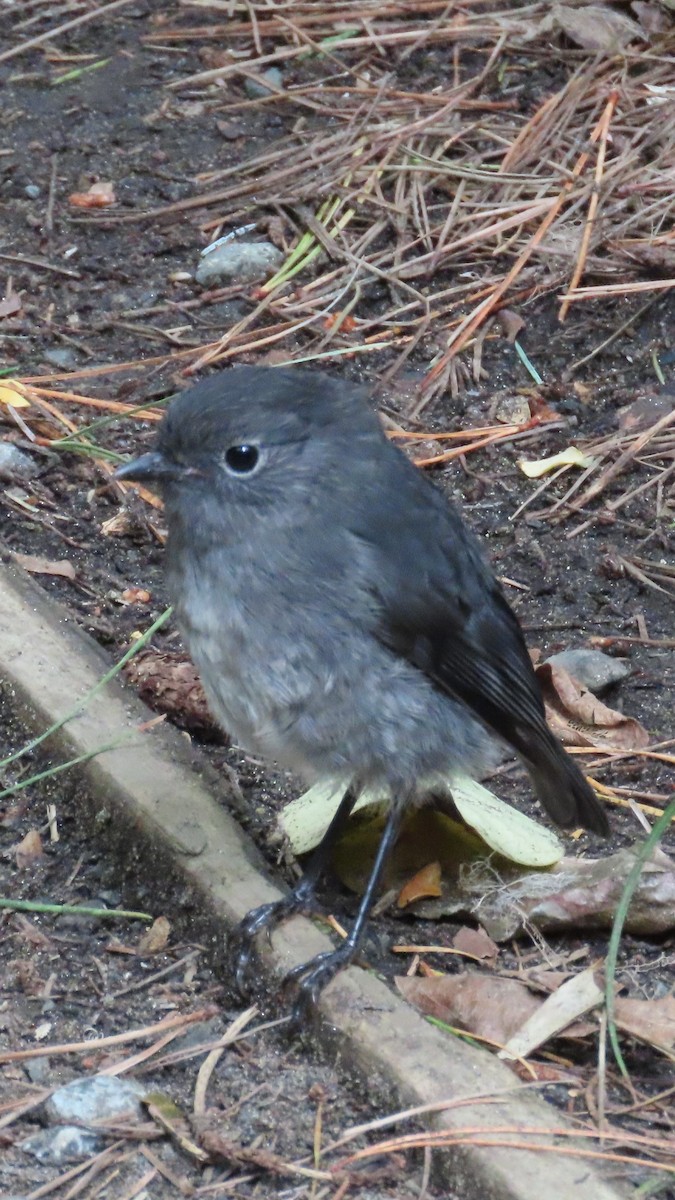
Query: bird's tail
{"points": [[562, 788]]}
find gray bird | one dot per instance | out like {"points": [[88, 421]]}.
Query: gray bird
{"points": [[339, 612]]}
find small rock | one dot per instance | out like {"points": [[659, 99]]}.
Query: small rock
{"points": [[228, 130], [32, 191], [200, 1034], [237, 260], [255, 88], [63, 1144], [595, 670], [37, 1069], [60, 357], [14, 464], [96, 1098]]}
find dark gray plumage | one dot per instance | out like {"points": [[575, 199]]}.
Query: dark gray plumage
{"points": [[340, 613]]}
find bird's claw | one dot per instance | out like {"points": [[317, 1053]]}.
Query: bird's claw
{"points": [[311, 977], [243, 939]]}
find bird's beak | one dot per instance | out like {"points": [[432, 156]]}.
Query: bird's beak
{"points": [[150, 467]]}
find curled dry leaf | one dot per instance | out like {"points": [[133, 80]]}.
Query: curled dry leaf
{"points": [[427, 882], [571, 457], [29, 850], [580, 719]]}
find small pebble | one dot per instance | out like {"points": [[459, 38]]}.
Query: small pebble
{"points": [[95, 1098], [255, 88], [594, 670], [32, 191], [14, 464], [37, 1069], [63, 1144], [60, 357], [237, 260]]}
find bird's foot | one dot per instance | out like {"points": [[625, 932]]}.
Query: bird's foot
{"points": [[264, 918], [311, 977]]}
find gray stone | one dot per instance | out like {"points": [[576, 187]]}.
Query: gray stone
{"points": [[37, 1069], [96, 1098], [237, 260], [14, 464], [32, 191], [63, 1144], [255, 88], [60, 356], [594, 670]]}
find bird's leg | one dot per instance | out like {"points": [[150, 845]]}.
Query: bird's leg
{"points": [[299, 899], [313, 975]]}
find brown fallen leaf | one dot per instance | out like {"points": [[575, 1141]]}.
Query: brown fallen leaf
{"points": [[487, 1005], [574, 998], [427, 882], [594, 27], [46, 566], [580, 719], [155, 938], [511, 322], [476, 942], [10, 305], [29, 850], [651, 1021]]}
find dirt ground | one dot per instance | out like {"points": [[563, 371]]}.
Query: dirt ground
{"points": [[97, 292]]}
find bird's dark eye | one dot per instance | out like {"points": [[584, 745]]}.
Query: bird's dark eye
{"points": [[241, 460]]}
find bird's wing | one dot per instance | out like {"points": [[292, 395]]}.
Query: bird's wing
{"points": [[440, 607]]}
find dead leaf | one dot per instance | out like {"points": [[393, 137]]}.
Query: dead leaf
{"points": [[593, 26], [488, 1005], [13, 394], [652, 17], [580, 719], [46, 566], [651, 1021], [9, 305], [29, 850], [427, 882], [511, 322], [155, 938], [513, 409], [574, 998], [571, 457], [100, 195], [476, 942]]}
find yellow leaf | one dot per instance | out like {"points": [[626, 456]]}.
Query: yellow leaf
{"points": [[571, 457], [13, 394]]}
